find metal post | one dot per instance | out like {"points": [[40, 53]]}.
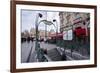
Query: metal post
{"points": [[36, 42], [46, 29], [37, 45], [56, 29], [45, 32]]}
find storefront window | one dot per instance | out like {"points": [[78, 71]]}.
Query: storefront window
{"points": [[68, 35]]}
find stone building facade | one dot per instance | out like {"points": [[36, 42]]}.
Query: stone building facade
{"points": [[74, 20]]}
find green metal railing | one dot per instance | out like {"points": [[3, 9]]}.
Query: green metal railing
{"points": [[42, 57], [73, 45]]}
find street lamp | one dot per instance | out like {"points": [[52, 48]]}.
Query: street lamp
{"points": [[37, 45], [54, 20], [46, 22], [40, 15], [56, 25]]}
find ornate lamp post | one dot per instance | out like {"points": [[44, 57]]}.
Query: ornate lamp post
{"points": [[37, 45], [54, 20]]}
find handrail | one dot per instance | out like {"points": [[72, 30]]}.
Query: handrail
{"points": [[47, 57]]}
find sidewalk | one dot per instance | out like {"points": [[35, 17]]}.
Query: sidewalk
{"points": [[25, 51]]}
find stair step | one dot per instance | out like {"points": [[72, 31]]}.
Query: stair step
{"points": [[54, 55]]}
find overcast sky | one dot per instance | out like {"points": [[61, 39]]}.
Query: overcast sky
{"points": [[28, 19]]}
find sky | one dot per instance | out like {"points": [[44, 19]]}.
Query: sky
{"points": [[28, 19]]}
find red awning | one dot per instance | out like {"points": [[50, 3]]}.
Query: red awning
{"points": [[80, 32], [56, 35], [60, 34]]}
